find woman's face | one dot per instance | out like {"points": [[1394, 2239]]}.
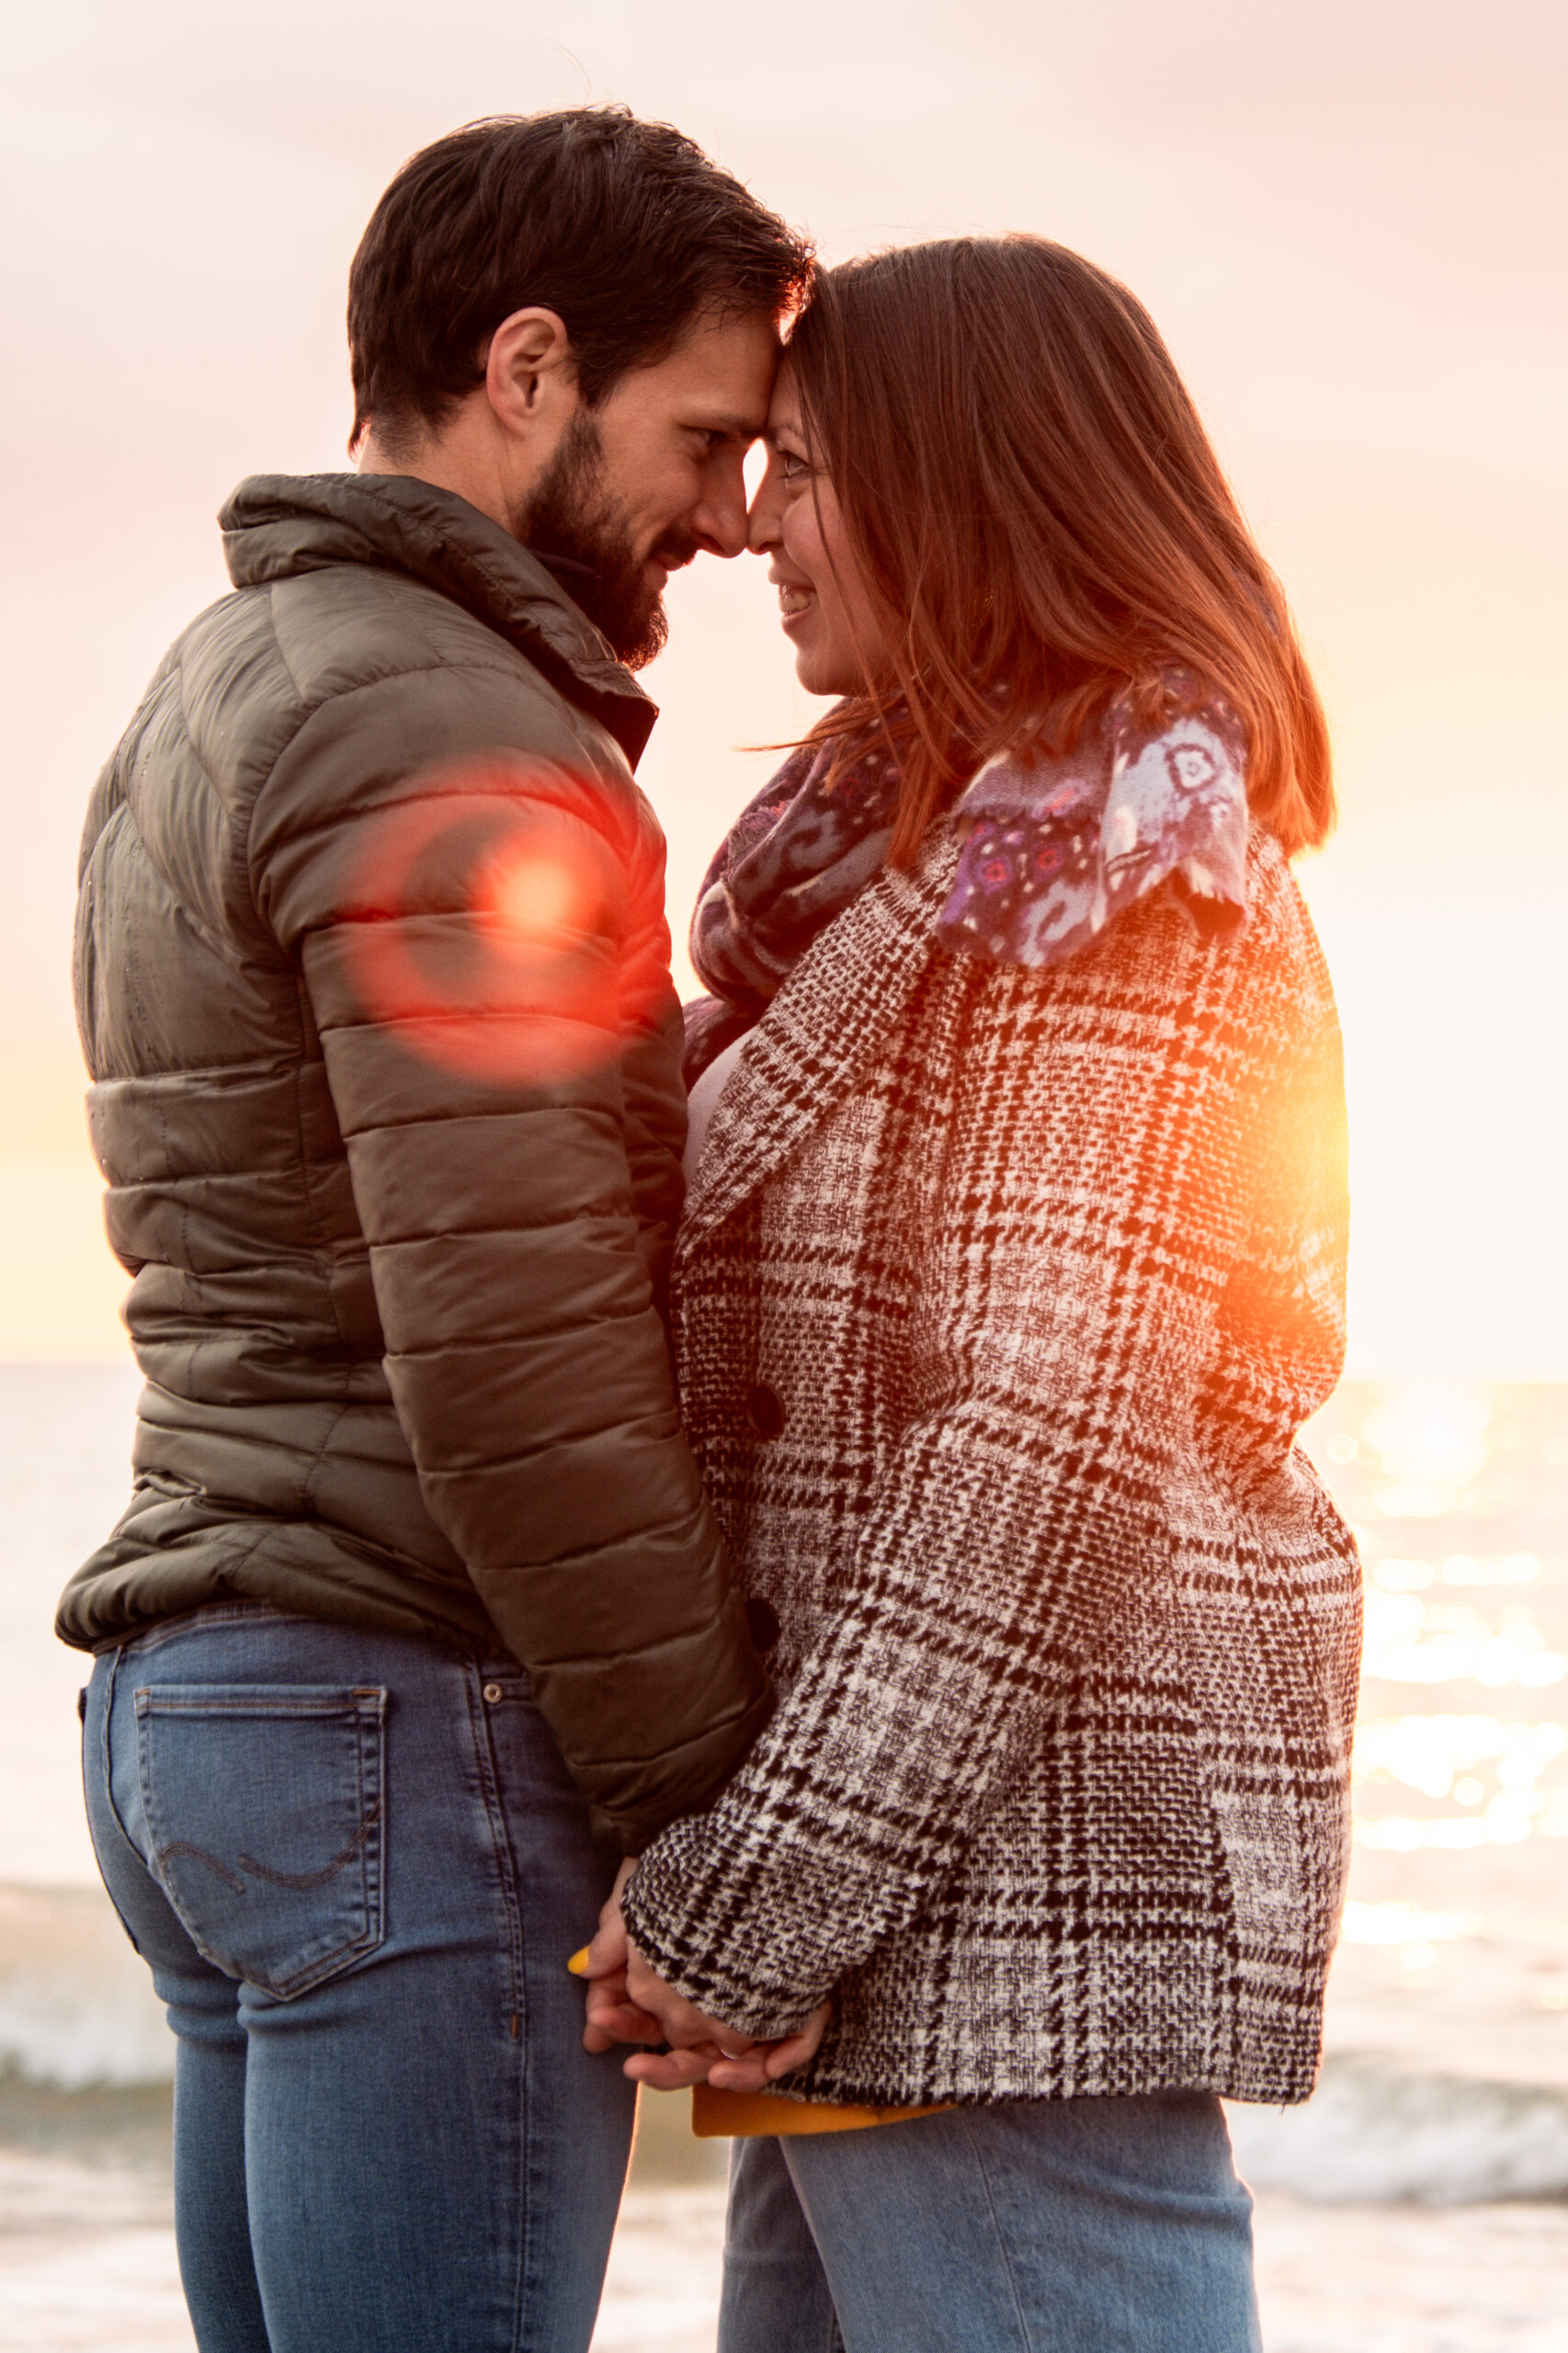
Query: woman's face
{"points": [[795, 521]]}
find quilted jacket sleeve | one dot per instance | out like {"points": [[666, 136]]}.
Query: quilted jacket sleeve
{"points": [[1115, 1159], [482, 953]]}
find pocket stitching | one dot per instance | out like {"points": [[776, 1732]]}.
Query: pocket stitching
{"points": [[364, 1709]]}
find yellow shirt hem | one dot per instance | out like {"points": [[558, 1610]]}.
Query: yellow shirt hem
{"points": [[751, 2115]]}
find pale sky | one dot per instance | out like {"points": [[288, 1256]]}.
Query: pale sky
{"points": [[1348, 219]]}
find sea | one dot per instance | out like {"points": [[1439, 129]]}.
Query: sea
{"points": [[1418, 2203]]}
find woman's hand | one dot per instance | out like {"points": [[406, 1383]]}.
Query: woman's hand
{"points": [[758, 2065], [629, 2001]]}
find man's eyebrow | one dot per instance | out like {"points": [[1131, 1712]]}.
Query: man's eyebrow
{"points": [[739, 428]]}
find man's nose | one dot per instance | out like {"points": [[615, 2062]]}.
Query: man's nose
{"points": [[721, 521], [765, 522]]}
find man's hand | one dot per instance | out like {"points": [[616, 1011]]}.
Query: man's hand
{"points": [[629, 2001], [612, 2017]]}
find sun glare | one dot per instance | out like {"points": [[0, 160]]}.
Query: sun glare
{"points": [[484, 910], [540, 899]]}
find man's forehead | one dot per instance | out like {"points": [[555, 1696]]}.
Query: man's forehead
{"points": [[724, 369]]}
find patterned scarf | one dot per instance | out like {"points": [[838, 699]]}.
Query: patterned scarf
{"points": [[1056, 844]]}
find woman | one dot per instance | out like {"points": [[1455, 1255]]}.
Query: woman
{"points": [[1013, 1264]]}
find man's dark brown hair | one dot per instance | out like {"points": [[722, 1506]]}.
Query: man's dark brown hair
{"points": [[625, 228]]}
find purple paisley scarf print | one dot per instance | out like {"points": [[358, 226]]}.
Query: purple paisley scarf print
{"points": [[1059, 842], [1056, 844]]}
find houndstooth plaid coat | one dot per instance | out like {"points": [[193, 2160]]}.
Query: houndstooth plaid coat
{"points": [[1001, 1298]]}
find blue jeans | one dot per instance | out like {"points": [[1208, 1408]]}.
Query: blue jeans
{"points": [[356, 1866], [1032, 2226]]}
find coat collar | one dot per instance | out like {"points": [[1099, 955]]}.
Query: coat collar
{"points": [[822, 1032], [277, 525]]}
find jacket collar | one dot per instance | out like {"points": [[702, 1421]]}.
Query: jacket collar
{"points": [[822, 1032], [277, 525]]}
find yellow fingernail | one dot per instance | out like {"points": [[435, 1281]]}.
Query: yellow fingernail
{"points": [[578, 1964]]}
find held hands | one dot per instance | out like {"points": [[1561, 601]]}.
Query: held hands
{"points": [[629, 2003]]}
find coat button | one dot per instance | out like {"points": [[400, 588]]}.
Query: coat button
{"points": [[491, 1693], [763, 1620], [765, 1410]]}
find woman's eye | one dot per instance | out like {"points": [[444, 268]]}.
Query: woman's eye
{"points": [[792, 468]]}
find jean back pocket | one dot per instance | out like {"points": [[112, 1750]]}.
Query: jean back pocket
{"points": [[265, 1808]]}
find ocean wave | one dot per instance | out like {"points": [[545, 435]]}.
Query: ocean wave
{"points": [[1373, 2134], [77, 2010], [76, 2003]]}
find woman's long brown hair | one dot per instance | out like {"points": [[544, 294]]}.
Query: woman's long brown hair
{"points": [[1039, 522]]}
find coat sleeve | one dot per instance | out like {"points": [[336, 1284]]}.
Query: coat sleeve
{"points": [[1111, 1124], [480, 942]]}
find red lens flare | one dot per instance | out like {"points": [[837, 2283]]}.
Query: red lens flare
{"points": [[537, 900], [486, 921]]}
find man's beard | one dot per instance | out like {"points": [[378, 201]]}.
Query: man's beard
{"points": [[573, 514]]}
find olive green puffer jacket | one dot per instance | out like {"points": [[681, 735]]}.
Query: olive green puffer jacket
{"points": [[373, 982]]}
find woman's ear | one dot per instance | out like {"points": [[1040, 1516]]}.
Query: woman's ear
{"points": [[530, 378]]}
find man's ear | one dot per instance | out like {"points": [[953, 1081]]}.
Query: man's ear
{"points": [[529, 375]]}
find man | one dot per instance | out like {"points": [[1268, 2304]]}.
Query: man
{"points": [[417, 1620]]}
